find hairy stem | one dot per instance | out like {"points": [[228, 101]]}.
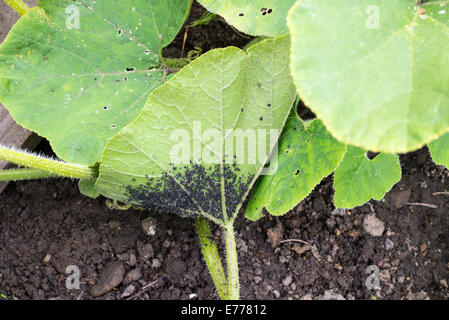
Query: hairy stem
{"points": [[23, 174], [18, 5], [55, 167], [232, 263], [210, 253]]}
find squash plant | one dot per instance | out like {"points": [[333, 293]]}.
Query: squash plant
{"points": [[194, 138]]}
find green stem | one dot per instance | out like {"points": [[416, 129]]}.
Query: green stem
{"points": [[55, 167], [176, 64], [210, 253], [232, 263], [18, 5], [23, 174]]}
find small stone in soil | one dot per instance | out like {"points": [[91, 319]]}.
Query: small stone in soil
{"points": [[339, 212], [301, 249], [156, 264], [373, 226], [146, 250], [330, 295], [287, 281], [176, 266], [132, 259], [149, 226], [133, 275], [111, 276], [113, 224], [275, 235], [389, 244], [123, 256], [193, 296], [128, 291]]}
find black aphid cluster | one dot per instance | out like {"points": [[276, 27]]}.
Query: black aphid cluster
{"points": [[186, 189]]}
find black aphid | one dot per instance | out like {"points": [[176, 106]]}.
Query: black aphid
{"points": [[201, 188]]}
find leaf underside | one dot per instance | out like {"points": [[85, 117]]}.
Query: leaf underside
{"points": [[306, 156], [256, 17], [76, 72], [224, 94], [88, 189], [376, 73], [359, 179]]}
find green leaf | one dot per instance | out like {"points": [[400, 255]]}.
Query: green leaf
{"points": [[376, 73], [439, 150], [76, 81], [255, 17], [180, 155], [88, 189], [307, 154], [359, 179]]}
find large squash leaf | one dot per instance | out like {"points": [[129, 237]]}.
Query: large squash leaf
{"points": [[182, 154], [307, 154], [254, 17], [359, 178], [376, 73], [76, 72]]}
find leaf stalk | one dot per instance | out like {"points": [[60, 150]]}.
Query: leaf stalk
{"points": [[213, 262], [228, 288], [232, 264], [23, 174], [54, 167], [18, 6]]}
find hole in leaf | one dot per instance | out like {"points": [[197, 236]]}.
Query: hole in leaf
{"points": [[303, 112], [266, 11], [371, 155]]}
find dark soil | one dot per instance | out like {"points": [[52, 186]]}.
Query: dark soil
{"points": [[46, 226]]}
